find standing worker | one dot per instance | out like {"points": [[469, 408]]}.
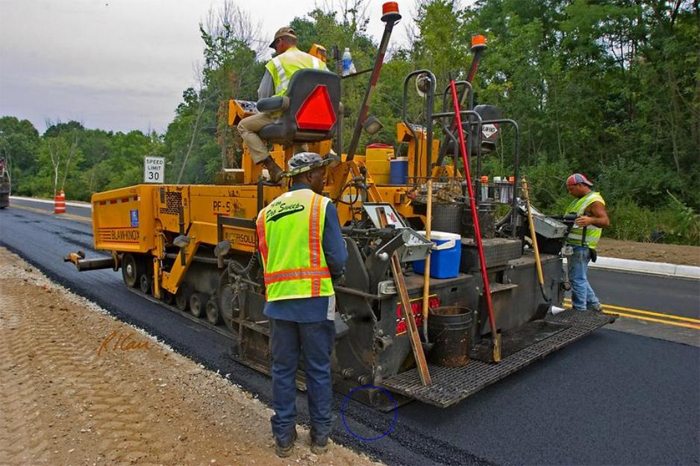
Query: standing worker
{"points": [[278, 74], [302, 251], [591, 218]]}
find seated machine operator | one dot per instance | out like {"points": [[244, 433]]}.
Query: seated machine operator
{"points": [[278, 73]]}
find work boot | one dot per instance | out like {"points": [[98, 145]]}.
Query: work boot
{"points": [[273, 169], [319, 446], [283, 450], [596, 308]]}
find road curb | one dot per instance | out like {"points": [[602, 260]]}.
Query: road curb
{"points": [[654, 268]]}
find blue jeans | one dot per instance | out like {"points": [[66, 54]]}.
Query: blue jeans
{"points": [[314, 342], [582, 295]]}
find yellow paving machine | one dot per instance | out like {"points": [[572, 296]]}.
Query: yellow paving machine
{"points": [[441, 296]]}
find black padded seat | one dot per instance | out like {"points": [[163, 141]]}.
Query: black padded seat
{"points": [[304, 83]]}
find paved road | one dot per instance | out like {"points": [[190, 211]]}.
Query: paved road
{"points": [[611, 398], [673, 295]]}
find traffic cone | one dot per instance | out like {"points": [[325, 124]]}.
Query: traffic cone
{"points": [[60, 203]]}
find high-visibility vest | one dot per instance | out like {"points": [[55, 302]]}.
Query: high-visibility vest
{"points": [[290, 238], [283, 66], [593, 232]]}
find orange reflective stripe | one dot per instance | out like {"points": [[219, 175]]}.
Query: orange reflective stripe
{"points": [[315, 241], [262, 242], [296, 274], [315, 232]]}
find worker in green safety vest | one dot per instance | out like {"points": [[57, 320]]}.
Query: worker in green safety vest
{"points": [[591, 218], [302, 251], [278, 74]]}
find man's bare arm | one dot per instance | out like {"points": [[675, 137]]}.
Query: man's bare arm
{"points": [[596, 215]]}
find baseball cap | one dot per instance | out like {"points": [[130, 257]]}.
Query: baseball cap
{"points": [[283, 32], [577, 178]]}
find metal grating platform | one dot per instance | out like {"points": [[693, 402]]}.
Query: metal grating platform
{"points": [[451, 385]]}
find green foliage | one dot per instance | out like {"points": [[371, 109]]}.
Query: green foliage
{"points": [[674, 222], [19, 141]]}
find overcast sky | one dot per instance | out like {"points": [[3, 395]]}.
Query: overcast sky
{"points": [[120, 64]]}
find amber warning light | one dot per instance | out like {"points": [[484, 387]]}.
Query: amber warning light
{"points": [[390, 12], [478, 41]]}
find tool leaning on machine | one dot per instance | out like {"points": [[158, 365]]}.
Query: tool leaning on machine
{"points": [[193, 247]]}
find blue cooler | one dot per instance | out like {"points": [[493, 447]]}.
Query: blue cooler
{"points": [[445, 256]]}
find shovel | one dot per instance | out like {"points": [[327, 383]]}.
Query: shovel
{"points": [[542, 308]]}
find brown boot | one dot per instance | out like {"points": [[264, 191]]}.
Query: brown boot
{"points": [[273, 169]]}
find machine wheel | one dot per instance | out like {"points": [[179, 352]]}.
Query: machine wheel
{"points": [[198, 304], [230, 307], [132, 269], [182, 297], [145, 284], [213, 315]]}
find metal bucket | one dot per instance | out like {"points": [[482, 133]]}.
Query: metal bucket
{"points": [[449, 330]]}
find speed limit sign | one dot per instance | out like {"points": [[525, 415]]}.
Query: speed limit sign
{"points": [[153, 169]]}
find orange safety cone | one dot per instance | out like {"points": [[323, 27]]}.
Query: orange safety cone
{"points": [[60, 203]]}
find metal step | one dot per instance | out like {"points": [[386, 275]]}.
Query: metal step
{"points": [[451, 385]]}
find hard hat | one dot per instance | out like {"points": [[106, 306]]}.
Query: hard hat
{"points": [[283, 32], [577, 178], [305, 161]]}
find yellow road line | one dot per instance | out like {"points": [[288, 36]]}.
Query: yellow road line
{"points": [[647, 313], [657, 314], [687, 322], [665, 322]]}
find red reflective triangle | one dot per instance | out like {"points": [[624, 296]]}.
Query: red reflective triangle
{"points": [[316, 113]]}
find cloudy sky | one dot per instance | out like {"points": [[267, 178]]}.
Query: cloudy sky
{"points": [[120, 64]]}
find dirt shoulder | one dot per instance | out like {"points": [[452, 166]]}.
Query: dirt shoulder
{"points": [[651, 252], [80, 387]]}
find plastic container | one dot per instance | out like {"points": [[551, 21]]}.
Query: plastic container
{"points": [[398, 171], [449, 330], [445, 256], [348, 65], [377, 157]]}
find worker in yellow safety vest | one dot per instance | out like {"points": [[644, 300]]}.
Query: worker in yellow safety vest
{"points": [[302, 251], [591, 218], [278, 73]]}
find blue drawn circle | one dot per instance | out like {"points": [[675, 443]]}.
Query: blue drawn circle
{"points": [[346, 401]]}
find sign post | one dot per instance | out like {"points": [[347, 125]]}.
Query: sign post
{"points": [[153, 169]]}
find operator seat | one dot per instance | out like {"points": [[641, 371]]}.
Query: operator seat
{"points": [[309, 109]]}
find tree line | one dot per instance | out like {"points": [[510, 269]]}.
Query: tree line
{"points": [[610, 88]]}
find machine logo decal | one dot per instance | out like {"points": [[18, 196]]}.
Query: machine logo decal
{"points": [[282, 209], [134, 214], [119, 235]]}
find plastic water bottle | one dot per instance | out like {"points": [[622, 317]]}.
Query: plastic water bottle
{"points": [[348, 66]]}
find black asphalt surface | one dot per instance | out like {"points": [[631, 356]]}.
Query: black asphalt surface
{"points": [[612, 398]]}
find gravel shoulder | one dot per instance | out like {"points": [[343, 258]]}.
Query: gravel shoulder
{"points": [[652, 252], [80, 387]]}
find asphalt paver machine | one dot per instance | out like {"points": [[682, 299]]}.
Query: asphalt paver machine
{"points": [[193, 247]]}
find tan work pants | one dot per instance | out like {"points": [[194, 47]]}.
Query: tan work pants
{"points": [[248, 129]]}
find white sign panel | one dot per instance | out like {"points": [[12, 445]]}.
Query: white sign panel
{"points": [[489, 130], [153, 169]]}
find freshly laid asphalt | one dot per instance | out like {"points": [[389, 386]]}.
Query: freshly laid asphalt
{"points": [[612, 398]]}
